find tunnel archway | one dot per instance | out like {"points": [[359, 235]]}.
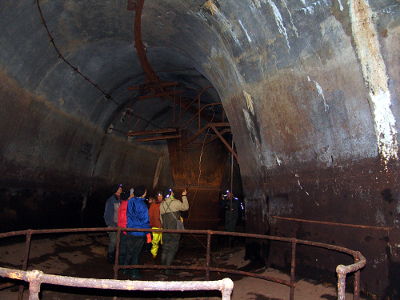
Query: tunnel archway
{"points": [[309, 88]]}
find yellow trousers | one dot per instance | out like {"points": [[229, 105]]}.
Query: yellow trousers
{"points": [[156, 241]]}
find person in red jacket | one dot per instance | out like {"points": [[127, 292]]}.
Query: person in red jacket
{"points": [[122, 221], [155, 222]]}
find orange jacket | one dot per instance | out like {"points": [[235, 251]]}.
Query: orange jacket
{"points": [[154, 215]]}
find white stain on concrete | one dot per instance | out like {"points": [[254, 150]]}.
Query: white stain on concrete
{"points": [[340, 5], [249, 122], [245, 31], [249, 101], [278, 161], [390, 9], [225, 23], [375, 76], [310, 7], [302, 188], [279, 21], [320, 92], [227, 26], [291, 18]]}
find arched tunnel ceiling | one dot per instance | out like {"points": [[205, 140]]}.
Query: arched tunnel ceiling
{"points": [[243, 48], [97, 38], [310, 88], [274, 65]]}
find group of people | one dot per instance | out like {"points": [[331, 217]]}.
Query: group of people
{"points": [[131, 209]]}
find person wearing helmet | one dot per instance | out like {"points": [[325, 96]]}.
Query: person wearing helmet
{"points": [[155, 222], [170, 210]]}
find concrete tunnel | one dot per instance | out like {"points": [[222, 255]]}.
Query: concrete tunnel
{"points": [[309, 89]]}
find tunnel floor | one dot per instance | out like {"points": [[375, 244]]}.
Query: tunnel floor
{"points": [[83, 255]]}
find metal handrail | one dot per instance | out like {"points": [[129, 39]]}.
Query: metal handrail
{"points": [[36, 278]]}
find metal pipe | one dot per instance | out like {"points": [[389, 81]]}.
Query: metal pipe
{"points": [[35, 278], [208, 256], [26, 260], [35, 281], [342, 270], [293, 270], [334, 223], [356, 292], [225, 142], [116, 258], [341, 284], [139, 46]]}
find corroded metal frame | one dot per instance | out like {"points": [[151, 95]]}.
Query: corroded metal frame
{"points": [[36, 278]]}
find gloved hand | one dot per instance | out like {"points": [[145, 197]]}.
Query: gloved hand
{"points": [[148, 238]]}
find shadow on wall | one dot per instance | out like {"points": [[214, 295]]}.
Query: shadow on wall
{"points": [[37, 208], [393, 290]]}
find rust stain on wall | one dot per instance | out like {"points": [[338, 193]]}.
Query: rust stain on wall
{"points": [[201, 172]]}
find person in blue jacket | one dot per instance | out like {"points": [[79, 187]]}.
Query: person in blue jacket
{"points": [[137, 217]]}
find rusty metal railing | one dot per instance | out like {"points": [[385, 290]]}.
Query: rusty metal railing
{"points": [[35, 278]]}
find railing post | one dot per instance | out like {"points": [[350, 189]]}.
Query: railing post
{"points": [[341, 285], [208, 258], [26, 259], [293, 269], [227, 290], [35, 281], [116, 259], [356, 295], [357, 280]]}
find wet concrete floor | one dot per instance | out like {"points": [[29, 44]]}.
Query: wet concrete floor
{"points": [[83, 255]]}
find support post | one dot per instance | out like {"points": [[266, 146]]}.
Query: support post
{"points": [[293, 270], [116, 258], [341, 285], [26, 259], [208, 258]]}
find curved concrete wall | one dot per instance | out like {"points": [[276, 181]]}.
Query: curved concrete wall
{"points": [[310, 89]]}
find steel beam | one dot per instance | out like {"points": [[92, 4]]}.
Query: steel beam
{"points": [[148, 132]]}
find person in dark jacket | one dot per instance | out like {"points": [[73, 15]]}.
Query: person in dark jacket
{"points": [[137, 217], [232, 208], [111, 220]]}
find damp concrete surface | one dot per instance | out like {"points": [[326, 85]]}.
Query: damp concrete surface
{"points": [[84, 255]]}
